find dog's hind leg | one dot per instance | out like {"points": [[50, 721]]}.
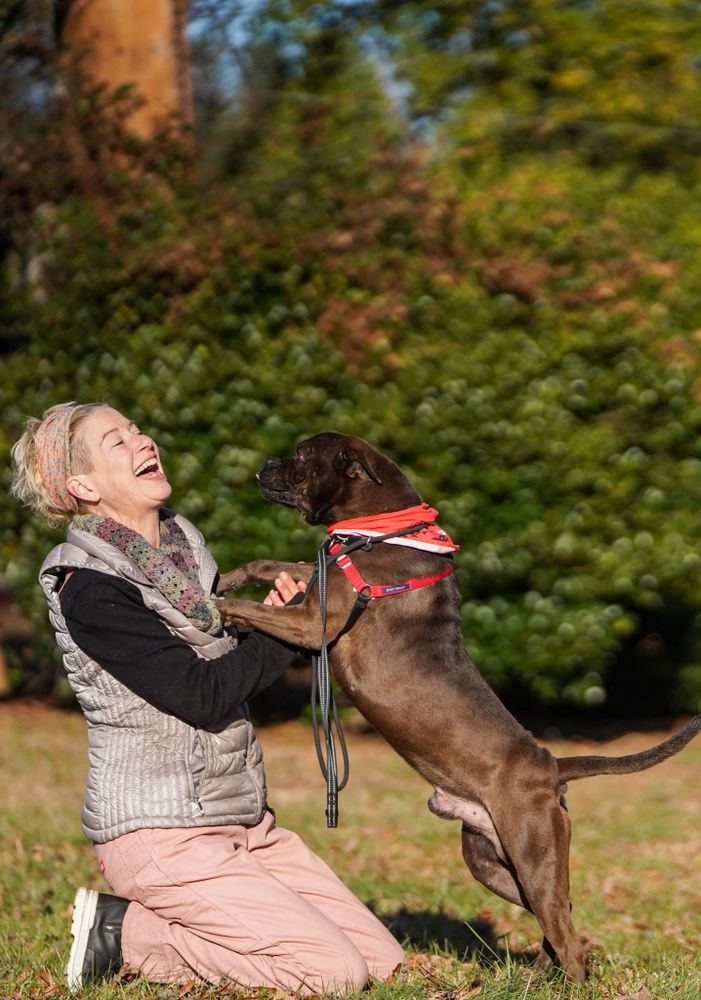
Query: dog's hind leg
{"points": [[486, 866], [481, 848], [497, 876], [484, 853], [536, 839]]}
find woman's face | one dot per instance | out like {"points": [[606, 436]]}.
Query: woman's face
{"points": [[126, 480]]}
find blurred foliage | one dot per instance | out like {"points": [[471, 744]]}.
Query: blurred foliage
{"points": [[464, 231]]}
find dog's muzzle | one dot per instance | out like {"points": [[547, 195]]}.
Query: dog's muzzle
{"points": [[274, 484]]}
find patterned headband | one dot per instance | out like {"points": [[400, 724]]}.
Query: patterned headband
{"points": [[54, 457]]}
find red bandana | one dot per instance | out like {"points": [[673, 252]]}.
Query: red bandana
{"points": [[431, 538]]}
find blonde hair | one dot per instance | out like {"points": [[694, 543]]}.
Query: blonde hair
{"points": [[27, 483]]}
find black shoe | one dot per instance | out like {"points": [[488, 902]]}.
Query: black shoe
{"points": [[96, 952]]}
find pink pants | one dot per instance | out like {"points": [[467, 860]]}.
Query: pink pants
{"points": [[251, 905]]}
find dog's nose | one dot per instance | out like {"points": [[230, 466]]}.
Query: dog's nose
{"points": [[270, 465], [270, 471]]}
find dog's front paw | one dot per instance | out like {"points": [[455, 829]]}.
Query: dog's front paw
{"points": [[226, 610], [234, 580]]}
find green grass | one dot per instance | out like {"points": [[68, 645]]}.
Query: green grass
{"points": [[636, 871]]}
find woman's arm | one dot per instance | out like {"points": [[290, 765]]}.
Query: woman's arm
{"points": [[108, 620]]}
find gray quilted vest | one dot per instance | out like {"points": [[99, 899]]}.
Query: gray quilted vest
{"points": [[147, 768]]}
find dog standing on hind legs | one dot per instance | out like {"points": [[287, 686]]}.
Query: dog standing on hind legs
{"points": [[404, 666]]}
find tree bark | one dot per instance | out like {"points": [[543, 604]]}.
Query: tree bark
{"points": [[141, 42]]}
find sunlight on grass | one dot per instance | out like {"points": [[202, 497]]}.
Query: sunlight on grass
{"points": [[636, 878]]}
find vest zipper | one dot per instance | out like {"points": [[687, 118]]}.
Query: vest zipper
{"points": [[196, 776]]}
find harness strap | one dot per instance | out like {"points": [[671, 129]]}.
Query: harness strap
{"points": [[360, 604], [348, 568]]}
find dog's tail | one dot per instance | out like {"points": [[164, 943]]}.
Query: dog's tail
{"points": [[572, 768]]}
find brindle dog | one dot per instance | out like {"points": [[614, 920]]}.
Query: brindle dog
{"points": [[404, 666]]}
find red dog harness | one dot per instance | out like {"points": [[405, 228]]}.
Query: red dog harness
{"points": [[413, 526], [348, 568]]}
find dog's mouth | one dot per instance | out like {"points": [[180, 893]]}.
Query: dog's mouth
{"points": [[276, 492], [282, 496]]}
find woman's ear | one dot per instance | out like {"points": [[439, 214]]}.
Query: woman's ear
{"points": [[82, 489]]}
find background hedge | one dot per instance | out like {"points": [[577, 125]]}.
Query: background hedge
{"points": [[498, 288]]}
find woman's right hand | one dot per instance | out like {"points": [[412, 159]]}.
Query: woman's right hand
{"points": [[285, 589]]}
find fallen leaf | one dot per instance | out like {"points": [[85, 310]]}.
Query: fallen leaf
{"points": [[642, 994], [50, 986]]}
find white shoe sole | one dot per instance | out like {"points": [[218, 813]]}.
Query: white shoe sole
{"points": [[84, 909]]}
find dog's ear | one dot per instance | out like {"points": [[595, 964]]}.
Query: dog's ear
{"points": [[355, 465]]}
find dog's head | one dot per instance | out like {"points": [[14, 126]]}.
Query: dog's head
{"points": [[336, 476]]}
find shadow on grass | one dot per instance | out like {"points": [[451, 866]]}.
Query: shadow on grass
{"points": [[466, 939]]}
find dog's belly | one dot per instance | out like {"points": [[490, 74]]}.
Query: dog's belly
{"points": [[473, 815]]}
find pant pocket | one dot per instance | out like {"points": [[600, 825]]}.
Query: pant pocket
{"points": [[121, 861]]}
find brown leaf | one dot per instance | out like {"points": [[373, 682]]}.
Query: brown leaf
{"points": [[51, 988]]}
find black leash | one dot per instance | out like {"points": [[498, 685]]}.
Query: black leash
{"points": [[323, 703]]}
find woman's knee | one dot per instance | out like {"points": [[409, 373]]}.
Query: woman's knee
{"points": [[387, 961], [341, 969]]}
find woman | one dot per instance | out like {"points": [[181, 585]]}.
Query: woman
{"points": [[176, 799]]}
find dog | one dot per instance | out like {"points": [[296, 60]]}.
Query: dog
{"points": [[404, 666]]}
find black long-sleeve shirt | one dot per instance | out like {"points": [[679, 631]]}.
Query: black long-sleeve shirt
{"points": [[108, 620]]}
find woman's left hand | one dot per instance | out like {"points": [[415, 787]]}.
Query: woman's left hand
{"points": [[284, 590]]}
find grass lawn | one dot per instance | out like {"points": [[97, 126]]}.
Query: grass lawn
{"points": [[636, 870]]}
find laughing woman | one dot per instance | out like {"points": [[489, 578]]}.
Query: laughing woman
{"points": [[175, 804]]}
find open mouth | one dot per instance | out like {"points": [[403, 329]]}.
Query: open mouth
{"points": [[149, 469]]}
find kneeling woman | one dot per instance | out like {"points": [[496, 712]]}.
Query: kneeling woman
{"points": [[207, 884]]}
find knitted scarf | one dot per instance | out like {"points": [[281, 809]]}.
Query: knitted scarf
{"points": [[171, 568]]}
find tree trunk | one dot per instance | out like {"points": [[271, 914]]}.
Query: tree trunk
{"points": [[142, 42]]}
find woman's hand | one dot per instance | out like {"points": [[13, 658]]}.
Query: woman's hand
{"points": [[284, 590]]}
